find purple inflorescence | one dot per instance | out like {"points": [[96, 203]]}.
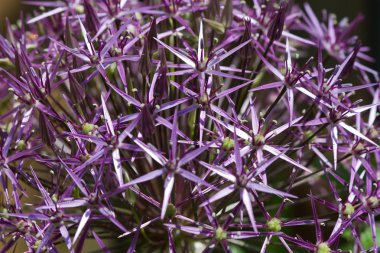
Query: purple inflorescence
{"points": [[187, 126]]}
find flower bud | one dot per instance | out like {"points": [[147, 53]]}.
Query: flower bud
{"points": [[152, 43], [77, 92], [146, 124], [220, 234], [92, 21], [277, 24], [47, 132], [87, 128], [21, 145], [171, 211], [350, 64], [274, 225], [323, 248], [348, 209], [227, 14], [144, 63], [228, 144], [161, 88]]}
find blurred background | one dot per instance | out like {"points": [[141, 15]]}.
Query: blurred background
{"points": [[369, 29]]}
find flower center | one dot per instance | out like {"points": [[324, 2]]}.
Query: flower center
{"points": [[348, 209], [171, 166], [220, 234], [242, 181], [21, 145], [373, 202], [228, 144], [259, 139], [171, 211], [323, 248], [87, 128], [274, 225]]}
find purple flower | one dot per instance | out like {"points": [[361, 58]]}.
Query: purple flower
{"points": [[122, 126]]}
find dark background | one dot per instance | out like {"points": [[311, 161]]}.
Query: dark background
{"points": [[369, 29]]}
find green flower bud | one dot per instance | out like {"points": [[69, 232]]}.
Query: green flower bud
{"points": [[220, 234], [3, 212], [259, 138], [171, 211], [373, 202], [348, 209], [228, 143], [323, 248], [274, 225], [21, 145], [87, 128], [79, 8], [54, 198]]}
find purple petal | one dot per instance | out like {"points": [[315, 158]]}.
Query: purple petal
{"points": [[169, 183], [178, 54], [213, 62], [83, 221], [244, 195], [220, 194], [147, 177], [193, 154]]}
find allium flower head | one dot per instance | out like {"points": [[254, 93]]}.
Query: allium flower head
{"points": [[187, 126]]}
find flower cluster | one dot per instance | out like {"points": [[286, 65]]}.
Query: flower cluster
{"points": [[187, 126]]}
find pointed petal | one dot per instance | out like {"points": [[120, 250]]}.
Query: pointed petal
{"points": [[85, 37], [190, 176], [220, 194], [201, 43], [213, 62], [270, 67], [178, 54], [150, 150], [173, 138], [231, 128], [202, 122], [318, 231], [147, 177], [268, 86], [248, 206], [356, 132], [107, 117], [66, 236], [100, 242], [238, 160], [132, 246], [291, 103], [220, 171], [372, 113], [267, 189], [372, 223], [169, 183], [47, 14], [276, 152], [289, 57], [193, 154], [83, 221], [171, 242], [254, 118], [117, 164]]}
